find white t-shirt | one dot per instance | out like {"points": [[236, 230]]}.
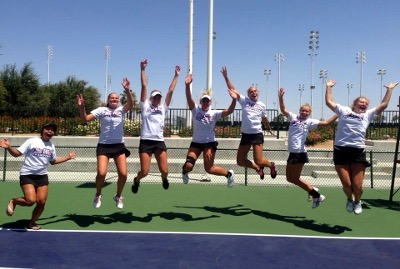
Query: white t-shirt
{"points": [[352, 126], [298, 130], [252, 112], [204, 123], [111, 124], [152, 121], [38, 154]]}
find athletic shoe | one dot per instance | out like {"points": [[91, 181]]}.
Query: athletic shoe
{"points": [[185, 178], [357, 208], [135, 186], [318, 201], [309, 197], [97, 201], [261, 172], [230, 181], [350, 206], [273, 172], [165, 184], [118, 201]]}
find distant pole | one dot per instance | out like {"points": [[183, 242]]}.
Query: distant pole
{"points": [[279, 59], [360, 59], [190, 58], [267, 72], [349, 86], [301, 90], [211, 37], [381, 72], [323, 74], [49, 57], [107, 56], [313, 46]]}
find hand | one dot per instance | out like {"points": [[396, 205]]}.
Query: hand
{"points": [[188, 79], [224, 71], [126, 84], [5, 144], [330, 83], [71, 155], [391, 85], [177, 70], [281, 92], [79, 100], [143, 64]]}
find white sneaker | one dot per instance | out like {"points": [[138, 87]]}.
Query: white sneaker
{"points": [[350, 206], [230, 182], [185, 178], [309, 197], [118, 201], [357, 208], [318, 201], [97, 201]]}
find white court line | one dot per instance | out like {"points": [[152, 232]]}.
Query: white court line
{"points": [[206, 233]]}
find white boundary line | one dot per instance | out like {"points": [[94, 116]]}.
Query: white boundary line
{"points": [[205, 233]]}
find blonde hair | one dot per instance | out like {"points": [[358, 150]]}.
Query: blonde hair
{"points": [[207, 92], [306, 105]]}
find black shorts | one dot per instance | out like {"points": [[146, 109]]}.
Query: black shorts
{"points": [[297, 158], [110, 150], [202, 146], [349, 155], [252, 139], [35, 180], [150, 146]]}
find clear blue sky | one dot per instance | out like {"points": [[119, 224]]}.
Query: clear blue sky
{"points": [[249, 33]]}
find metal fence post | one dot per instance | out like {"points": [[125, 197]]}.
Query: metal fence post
{"points": [[372, 168], [4, 165]]}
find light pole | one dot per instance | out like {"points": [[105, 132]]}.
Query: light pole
{"points": [[107, 56], [381, 72], [349, 86], [313, 46], [49, 57], [279, 59], [301, 90], [360, 59], [323, 75], [267, 72]]}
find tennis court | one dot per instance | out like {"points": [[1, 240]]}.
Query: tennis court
{"points": [[201, 226]]}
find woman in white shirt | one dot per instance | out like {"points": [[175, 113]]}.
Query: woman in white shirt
{"points": [[203, 141], [253, 113], [349, 154], [111, 140], [33, 175], [299, 126], [152, 130]]}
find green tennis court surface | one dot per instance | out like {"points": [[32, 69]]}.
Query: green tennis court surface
{"points": [[209, 208]]}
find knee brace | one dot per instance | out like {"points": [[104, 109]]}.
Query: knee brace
{"points": [[191, 160]]}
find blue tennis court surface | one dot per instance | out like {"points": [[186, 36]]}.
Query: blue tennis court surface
{"points": [[94, 249]]}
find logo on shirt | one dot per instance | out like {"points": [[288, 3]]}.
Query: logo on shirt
{"points": [[112, 114], [204, 118], [41, 152], [354, 116], [254, 106], [154, 111]]}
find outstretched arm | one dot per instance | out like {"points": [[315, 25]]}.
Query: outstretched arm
{"points": [[284, 111], [328, 121], [70, 156], [229, 84], [232, 106], [328, 94], [143, 80], [127, 88], [189, 99], [5, 144], [82, 111], [172, 86], [382, 106]]}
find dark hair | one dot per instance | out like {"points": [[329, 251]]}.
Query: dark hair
{"points": [[47, 125]]}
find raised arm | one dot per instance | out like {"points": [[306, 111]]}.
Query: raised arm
{"points": [[189, 99], [382, 106], [143, 80], [82, 111], [5, 144], [232, 106], [229, 84], [328, 94], [284, 111], [172, 86], [127, 88], [328, 121]]}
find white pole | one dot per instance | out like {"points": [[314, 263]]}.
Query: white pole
{"points": [[210, 47], [190, 57], [106, 77]]}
